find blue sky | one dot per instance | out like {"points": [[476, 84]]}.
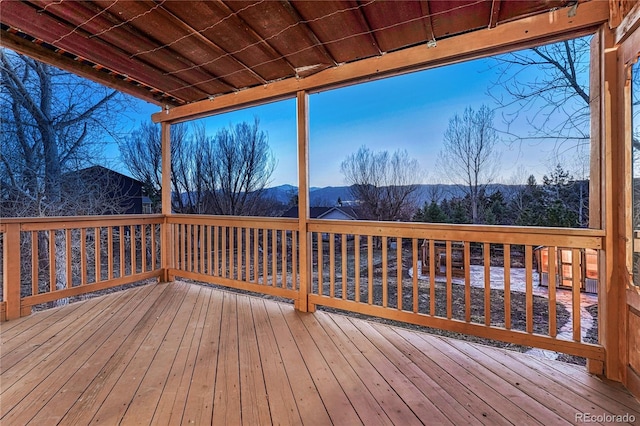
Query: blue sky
{"points": [[409, 112]]}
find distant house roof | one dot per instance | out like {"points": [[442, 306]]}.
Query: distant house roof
{"points": [[334, 212], [125, 192]]}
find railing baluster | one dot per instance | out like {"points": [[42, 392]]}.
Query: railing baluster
{"points": [[35, 261], [487, 284], [344, 265], [332, 265], [191, 248], [467, 280], [356, 266], [143, 248], [120, 250], [83, 256], [370, 269], [274, 257], [223, 250], [385, 283], [414, 264], [576, 263], [247, 254], [283, 263], [177, 241], [256, 255], [265, 254], [132, 249], [432, 278], [320, 264], [528, 260], [110, 253], [216, 250], [201, 249], [238, 265], [69, 257], [507, 286], [52, 260], [153, 247], [449, 280], [399, 272], [295, 285], [552, 259]]}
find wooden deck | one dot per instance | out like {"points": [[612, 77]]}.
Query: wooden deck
{"points": [[186, 354]]}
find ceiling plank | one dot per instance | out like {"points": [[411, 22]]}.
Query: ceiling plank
{"points": [[212, 46], [522, 33], [263, 44], [309, 32], [128, 38]]}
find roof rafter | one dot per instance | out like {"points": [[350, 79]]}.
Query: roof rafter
{"points": [[428, 24], [495, 13]]}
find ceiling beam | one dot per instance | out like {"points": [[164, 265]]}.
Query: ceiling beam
{"points": [[523, 33]]}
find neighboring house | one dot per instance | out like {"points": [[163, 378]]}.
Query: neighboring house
{"points": [[336, 213], [105, 191]]}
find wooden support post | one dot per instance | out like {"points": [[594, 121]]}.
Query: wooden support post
{"points": [[11, 271], [304, 242], [611, 287], [166, 234]]}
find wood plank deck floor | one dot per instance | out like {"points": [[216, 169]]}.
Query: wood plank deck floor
{"points": [[181, 353]]}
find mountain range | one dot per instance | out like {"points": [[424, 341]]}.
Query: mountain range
{"points": [[329, 195]]}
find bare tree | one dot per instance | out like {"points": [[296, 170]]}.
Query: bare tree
{"points": [[469, 156], [549, 85], [52, 124], [237, 166], [141, 152], [386, 185]]}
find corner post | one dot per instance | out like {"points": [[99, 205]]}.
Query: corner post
{"points": [[166, 240], [304, 240], [11, 271], [611, 287]]}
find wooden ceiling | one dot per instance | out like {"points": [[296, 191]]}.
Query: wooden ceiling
{"points": [[179, 52]]}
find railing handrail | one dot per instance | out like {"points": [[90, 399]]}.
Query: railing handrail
{"points": [[565, 237], [95, 219], [288, 224]]}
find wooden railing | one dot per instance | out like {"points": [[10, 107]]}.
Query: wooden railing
{"points": [[476, 280], [248, 253], [46, 260]]}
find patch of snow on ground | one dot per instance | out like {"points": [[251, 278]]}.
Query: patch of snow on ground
{"points": [[518, 283]]}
